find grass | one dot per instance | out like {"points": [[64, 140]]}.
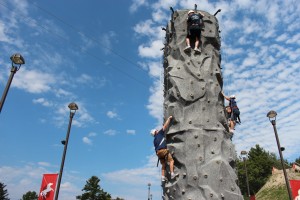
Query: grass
{"points": [[274, 193]]}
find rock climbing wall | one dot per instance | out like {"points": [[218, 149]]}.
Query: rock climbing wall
{"points": [[198, 137]]}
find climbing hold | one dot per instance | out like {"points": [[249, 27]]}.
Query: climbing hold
{"points": [[183, 191], [211, 194], [205, 176], [195, 177], [190, 122], [200, 158], [215, 139], [198, 145], [195, 136]]}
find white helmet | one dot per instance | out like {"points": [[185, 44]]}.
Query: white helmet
{"points": [[190, 11], [152, 132], [232, 96]]}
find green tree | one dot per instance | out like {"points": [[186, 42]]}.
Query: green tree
{"points": [[30, 196], [3, 192], [297, 160], [93, 191], [259, 167]]}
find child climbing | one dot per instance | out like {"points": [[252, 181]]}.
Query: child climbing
{"points": [[161, 150], [231, 123], [235, 112], [194, 26]]}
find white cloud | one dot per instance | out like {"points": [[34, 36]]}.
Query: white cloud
{"points": [[130, 132], [110, 132], [153, 50], [33, 81], [42, 101], [86, 140], [92, 134], [84, 78], [111, 114], [107, 41], [136, 4], [155, 105]]}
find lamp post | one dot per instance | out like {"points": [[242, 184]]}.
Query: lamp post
{"points": [[149, 184], [73, 107], [16, 61], [272, 117], [244, 155]]}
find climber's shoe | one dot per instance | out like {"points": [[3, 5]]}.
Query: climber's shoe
{"points": [[187, 49], [198, 51]]}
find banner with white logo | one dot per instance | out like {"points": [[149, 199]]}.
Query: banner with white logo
{"points": [[295, 185], [48, 186]]}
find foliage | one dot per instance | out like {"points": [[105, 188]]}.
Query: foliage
{"points": [[30, 196], [259, 168], [3, 192], [297, 160], [93, 191]]}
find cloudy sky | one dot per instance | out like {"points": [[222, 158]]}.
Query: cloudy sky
{"points": [[105, 56]]}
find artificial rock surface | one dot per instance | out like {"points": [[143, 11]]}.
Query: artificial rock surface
{"points": [[198, 137]]}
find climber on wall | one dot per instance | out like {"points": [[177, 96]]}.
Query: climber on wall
{"points": [[235, 112], [231, 123], [161, 149], [194, 26]]}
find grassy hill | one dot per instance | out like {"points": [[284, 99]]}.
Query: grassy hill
{"points": [[275, 188]]}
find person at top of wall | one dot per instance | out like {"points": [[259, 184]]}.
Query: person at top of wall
{"points": [[194, 26]]}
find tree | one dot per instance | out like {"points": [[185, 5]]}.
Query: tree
{"points": [[3, 192], [297, 160], [30, 196], [259, 167], [93, 191]]}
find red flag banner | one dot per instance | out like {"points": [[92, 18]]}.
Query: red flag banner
{"points": [[252, 197], [295, 185], [48, 186]]}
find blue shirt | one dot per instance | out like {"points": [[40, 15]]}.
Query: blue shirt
{"points": [[158, 138], [232, 103]]}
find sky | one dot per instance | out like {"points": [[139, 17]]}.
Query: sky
{"points": [[105, 56]]}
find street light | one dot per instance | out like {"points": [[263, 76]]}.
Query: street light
{"points": [[73, 107], [272, 117], [244, 155], [149, 184], [16, 61]]}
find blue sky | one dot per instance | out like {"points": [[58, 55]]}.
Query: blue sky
{"points": [[105, 56]]}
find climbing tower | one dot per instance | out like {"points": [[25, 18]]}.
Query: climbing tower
{"points": [[198, 139]]}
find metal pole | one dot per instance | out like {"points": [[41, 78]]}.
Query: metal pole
{"points": [[149, 184], [247, 182], [281, 159], [63, 157], [13, 71]]}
